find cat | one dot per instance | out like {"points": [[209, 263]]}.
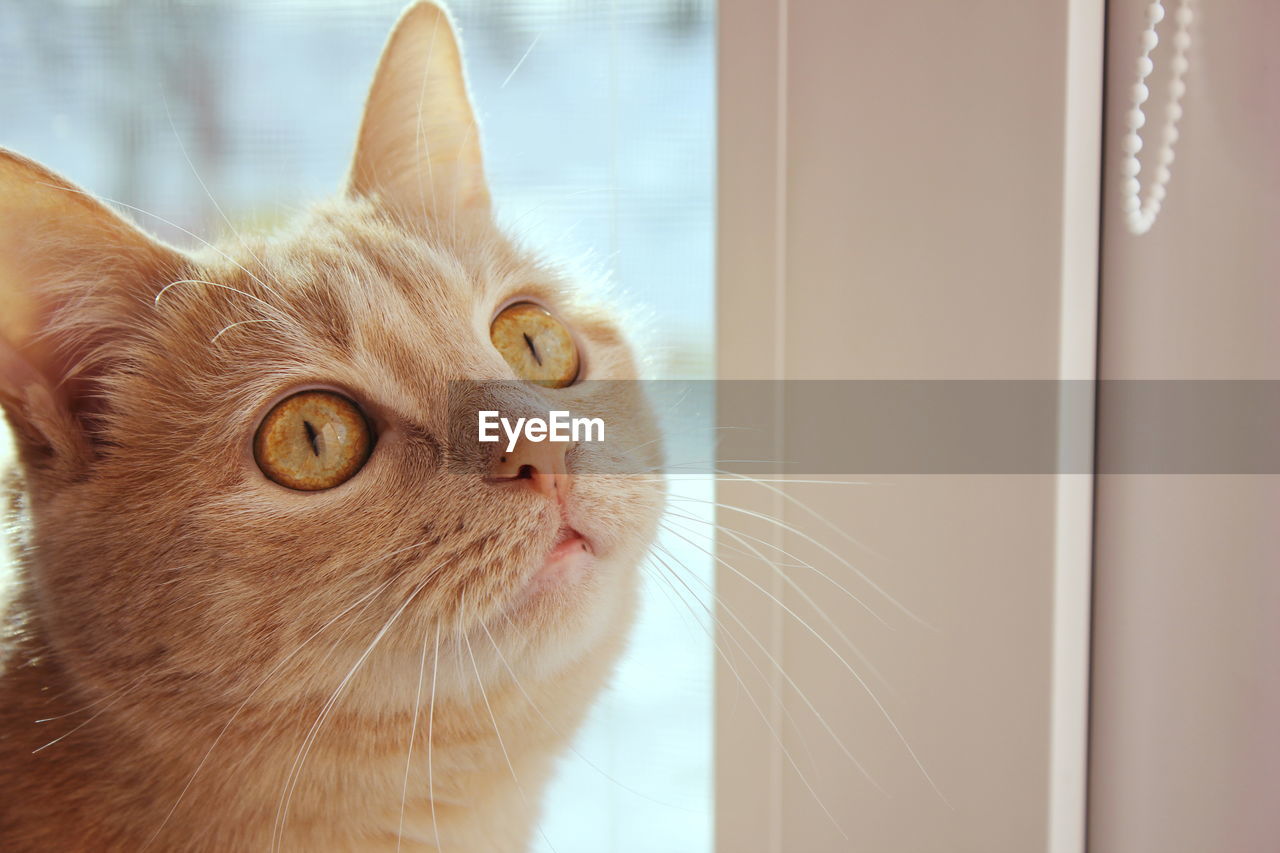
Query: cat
{"points": [[269, 595]]}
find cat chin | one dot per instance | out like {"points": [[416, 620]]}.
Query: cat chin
{"points": [[570, 560], [562, 624]]}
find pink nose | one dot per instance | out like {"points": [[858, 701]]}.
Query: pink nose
{"points": [[540, 464]]}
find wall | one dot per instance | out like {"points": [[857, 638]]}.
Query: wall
{"points": [[1184, 754]]}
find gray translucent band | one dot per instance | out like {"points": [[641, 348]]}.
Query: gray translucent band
{"points": [[802, 427]]}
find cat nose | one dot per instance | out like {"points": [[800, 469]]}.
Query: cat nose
{"points": [[540, 464]]}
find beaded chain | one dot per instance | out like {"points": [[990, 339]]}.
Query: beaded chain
{"points": [[1140, 214]]}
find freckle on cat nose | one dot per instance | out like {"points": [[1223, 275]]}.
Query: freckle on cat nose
{"points": [[539, 464]]}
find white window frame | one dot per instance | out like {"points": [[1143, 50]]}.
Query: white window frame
{"points": [[769, 92]]}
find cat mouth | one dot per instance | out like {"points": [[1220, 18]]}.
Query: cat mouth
{"points": [[566, 563]]}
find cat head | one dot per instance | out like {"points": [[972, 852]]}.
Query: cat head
{"points": [[247, 465]]}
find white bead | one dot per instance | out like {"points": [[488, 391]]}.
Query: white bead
{"points": [[1141, 213]]}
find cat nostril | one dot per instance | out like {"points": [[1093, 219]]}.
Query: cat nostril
{"points": [[538, 465]]}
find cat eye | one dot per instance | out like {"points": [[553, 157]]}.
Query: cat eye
{"points": [[536, 345], [313, 440]]}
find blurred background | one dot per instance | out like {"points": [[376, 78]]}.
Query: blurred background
{"points": [[598, 122]]}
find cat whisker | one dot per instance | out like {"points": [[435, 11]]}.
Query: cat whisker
{"points": [[660, 578], [795, 531], [183, 148], [666, 436], [171, 224], [773, 729], [884, 712], [510, 227], [779, 668], [816, 570], [794, 501], [566, 233], [246, 758], [772, 546], [520, 62], [295, 772], [703, 465], [99, 700], [413, 730], [774, 691], [694, 470], [662, 570], [704, 469], [237, 324], [493, 719], [681, 607], [160, 294], [534, 705], [729, 546], [431, 719], [366, 599], [120, 694], [752, 551]]}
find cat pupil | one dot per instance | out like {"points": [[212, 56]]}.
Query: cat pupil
{"points": [[313, 437], [532, 349]]}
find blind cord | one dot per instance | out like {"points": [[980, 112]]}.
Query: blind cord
{"points": [[1140, 213]]}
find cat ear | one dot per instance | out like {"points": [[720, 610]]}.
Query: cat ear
{"points": [[419, 146], [70, 272]]}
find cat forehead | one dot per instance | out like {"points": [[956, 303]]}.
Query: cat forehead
{"points": [[362, 265], [363, 257], [350, 297]]}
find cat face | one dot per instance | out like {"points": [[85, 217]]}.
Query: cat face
{"points": [[251, 467]]}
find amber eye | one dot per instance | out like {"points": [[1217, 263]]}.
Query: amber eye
{"points": [[537, 346], [313, 440]]}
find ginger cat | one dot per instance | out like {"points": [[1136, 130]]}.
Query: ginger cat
{"points": [[272, 595]]}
